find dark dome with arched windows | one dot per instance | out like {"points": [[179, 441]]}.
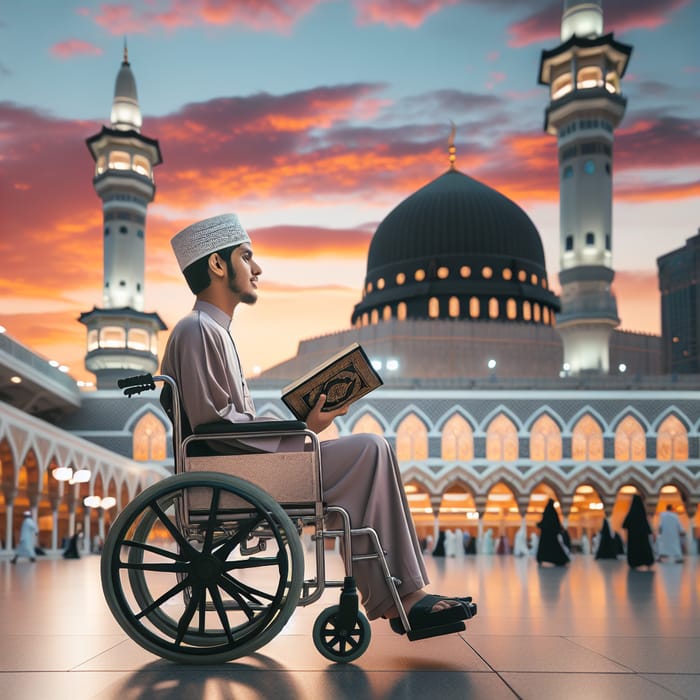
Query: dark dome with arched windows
{"points": [[456, 248]]}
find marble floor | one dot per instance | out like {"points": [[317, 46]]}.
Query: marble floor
{"points": [[593, 630]]}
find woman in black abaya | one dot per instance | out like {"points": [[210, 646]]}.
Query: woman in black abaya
{"points": [[551, 548], [640, 552], [607, 547]]}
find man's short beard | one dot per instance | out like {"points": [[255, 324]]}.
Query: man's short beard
{"points": [[246, 297]]}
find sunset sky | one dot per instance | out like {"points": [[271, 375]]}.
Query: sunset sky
{"points": [[313, 119]]}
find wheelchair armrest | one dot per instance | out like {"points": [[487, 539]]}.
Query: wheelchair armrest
{"points": [[268, 426]]}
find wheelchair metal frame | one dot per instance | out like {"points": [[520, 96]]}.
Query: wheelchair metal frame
{"points": [[311, 514]]}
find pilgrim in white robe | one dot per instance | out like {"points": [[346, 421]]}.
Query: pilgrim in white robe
{"points": [[360, 472]]}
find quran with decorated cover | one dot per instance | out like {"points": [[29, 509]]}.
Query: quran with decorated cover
{"points": [[344, 378]]}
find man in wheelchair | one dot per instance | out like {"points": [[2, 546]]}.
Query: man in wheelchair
{"points": [[360, 472]]}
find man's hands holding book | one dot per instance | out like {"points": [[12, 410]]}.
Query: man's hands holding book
{"points": [[318, 419]]}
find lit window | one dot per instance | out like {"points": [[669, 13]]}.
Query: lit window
{"points": [[493, 307], [536, 313], [367, 424], [672, 441], [501, 440], [386, 315], [545, 315], [527, 311], [507, 273], [587, 440], [443, 273], [561, 86], [368, 288], [400, 278], [457, 440], [630, 441], [112, 337], [142, 166], [380, 283], [465, 271], [511, 309], [454, 307], [138, 339], [545, 440], [92, 340], [533, 279], [401, 311], [119, 160], [433, 307], [522, 275], [412, 439], [419, 275], [149, 439], [474, 307], [486, 272], [374, 317]]}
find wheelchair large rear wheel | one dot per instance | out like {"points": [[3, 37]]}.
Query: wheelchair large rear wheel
{"points": [[202, 568]]}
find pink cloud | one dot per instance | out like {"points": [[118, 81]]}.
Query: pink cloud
{"points": [[410, 13], [170, 15], [75, 47]]}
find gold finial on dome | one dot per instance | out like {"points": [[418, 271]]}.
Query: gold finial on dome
{"points": [[451, 146]]}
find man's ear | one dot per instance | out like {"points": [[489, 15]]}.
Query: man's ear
{"points": [[217, 266]]}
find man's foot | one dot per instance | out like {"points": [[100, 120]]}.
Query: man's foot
{"points": [[436, 612]]}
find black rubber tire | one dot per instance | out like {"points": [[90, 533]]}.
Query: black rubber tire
{"points": [[341, 646], [190, 594]]}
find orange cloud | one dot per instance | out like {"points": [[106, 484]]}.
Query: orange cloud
{"points": [[75, 47], [260, 15], [411, 13]]}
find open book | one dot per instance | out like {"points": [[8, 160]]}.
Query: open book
{"points": [[344, 378]]}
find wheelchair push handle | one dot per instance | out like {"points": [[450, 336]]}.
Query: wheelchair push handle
{"points": [[135, 385]]}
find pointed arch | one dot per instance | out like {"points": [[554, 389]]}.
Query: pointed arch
{"points": [[545, 440], [501, 439], [672, 440], [367, 423], [412, 439], [587, 440], [149, 438], [457, 440], [630, 440]]}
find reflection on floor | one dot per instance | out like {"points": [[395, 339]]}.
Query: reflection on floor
{"points": [[593, 630]]}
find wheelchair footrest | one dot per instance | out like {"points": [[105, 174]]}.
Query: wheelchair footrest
{"points": [[437, 631]]}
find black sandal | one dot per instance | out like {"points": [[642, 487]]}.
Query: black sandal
{"points": [[425, 622]]}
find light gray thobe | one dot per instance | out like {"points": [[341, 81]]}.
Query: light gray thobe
{"points": [[360, 472]]}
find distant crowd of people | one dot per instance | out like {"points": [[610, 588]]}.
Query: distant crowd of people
{"points": [[552, 546]]}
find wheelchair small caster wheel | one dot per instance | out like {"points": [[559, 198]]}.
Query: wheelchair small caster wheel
{"points": [[341, 645]]}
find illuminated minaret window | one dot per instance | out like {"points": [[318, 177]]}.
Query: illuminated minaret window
{"points": [[123, 339], [586, 105]]}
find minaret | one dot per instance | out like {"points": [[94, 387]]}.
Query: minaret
{"points": [[121, 338], [585, 106]]}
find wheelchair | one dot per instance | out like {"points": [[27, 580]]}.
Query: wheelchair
{"points": [[207, 565]]}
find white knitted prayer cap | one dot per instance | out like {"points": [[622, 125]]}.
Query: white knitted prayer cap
{"points": [[206, 237]]}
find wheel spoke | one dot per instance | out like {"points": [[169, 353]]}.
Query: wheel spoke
{"points": [[229, 585], [212, 521], [251, 592], [185, 546], [154, 550], [181, 567], [221, 611], [235, 540], [175, 590], [251, 563], [187, 615]]}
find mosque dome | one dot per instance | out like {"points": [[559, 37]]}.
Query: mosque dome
{"points": [[456, 248], [126, 113]]}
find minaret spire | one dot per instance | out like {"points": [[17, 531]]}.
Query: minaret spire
{"points": [[583, 74], [122, 337], [451, 146], [126, 52]]}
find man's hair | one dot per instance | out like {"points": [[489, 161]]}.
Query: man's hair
{"points": [[197, 274]]}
